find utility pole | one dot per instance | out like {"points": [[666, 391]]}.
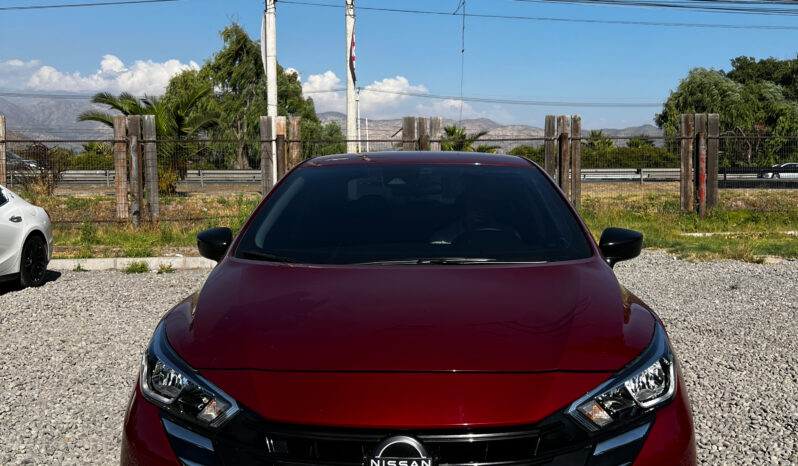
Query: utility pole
{"points": [[351, 105], [358, 120], [268, 48], [367, 135]]}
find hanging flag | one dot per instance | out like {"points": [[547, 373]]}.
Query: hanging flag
{"points": [[352, 60]]}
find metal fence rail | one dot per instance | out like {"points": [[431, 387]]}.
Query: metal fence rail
{"points": [[612, 167]]}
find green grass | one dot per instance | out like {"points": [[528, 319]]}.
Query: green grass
{"points": [[750, 234], [757, 222], [137, 267]]}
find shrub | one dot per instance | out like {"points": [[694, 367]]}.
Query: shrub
{"points": [[137, 267]]}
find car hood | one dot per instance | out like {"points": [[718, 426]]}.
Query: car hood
{"points": [[568, 316]]}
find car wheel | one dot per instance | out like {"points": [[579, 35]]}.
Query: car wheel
{"points": [[33, 265]]}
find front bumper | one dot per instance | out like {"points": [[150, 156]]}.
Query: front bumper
{"points": [[666, 438]]}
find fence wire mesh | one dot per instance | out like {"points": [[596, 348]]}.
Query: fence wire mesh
{"points": [[613, 169]]}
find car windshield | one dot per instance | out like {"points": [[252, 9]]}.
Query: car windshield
{"points": [[414, 213]]}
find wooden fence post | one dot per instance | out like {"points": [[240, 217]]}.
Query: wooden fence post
{"points": [[151, 166], [3, 174], [686, 155], [700, 121], [550, 163], [409, 133], [435, 133], [713, 150], [136, 178], [295, 144], [266, 167], [564, 156], [702, 174], [120, 166], [281, 148], [422, 133], [282, 151], [576, 161]]}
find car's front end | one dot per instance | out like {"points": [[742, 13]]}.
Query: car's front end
{"points": [[339, 354], [206, 426]]}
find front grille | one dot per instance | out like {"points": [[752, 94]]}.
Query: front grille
{"points": [[250, 439]]}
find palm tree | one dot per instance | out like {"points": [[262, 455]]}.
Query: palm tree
{"points": [[598, 141], [456, 139], [181, 119], [176, 120]]}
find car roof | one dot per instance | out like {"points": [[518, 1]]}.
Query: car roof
{"points": [[418, 157]]}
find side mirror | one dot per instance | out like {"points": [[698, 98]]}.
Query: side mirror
{"points": [[620, 244], [213, 243]]}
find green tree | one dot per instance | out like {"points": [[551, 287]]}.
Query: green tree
{"points": [[749, 109], [638, 142], [457, 139], [174, 119], [535, 154], [781, 72], [598, 141], [95, 156], [179, 118], [236, 74]]}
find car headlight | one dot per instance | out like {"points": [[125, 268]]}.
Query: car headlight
{"points": [[641, 387], [170, 383]]}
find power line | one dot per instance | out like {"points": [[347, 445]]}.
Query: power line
{"points": [[555, 19], [704, 6], [83, 5], [488, 100], [538, 103]]}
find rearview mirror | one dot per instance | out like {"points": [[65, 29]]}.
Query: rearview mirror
{"points": [[213, 243], [620, 244]]}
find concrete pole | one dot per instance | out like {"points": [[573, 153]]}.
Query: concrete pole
{"points": [[351, 105], [3, 180], [367, 135], [269, 53], [359, 138]]}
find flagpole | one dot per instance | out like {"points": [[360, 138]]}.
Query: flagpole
{"points": [[351, 105]]}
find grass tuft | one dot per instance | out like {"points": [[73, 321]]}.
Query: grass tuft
{"points": [[165, 268], [137, 267]]}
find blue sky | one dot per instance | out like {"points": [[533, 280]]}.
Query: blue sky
{"points": [[139, 46]]}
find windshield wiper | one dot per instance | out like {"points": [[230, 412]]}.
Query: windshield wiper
{"points": [[265, 256], [431, 261]]}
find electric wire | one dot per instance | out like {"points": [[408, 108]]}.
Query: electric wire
{"points": [[82, 5], [700, 6], [556, 19]]}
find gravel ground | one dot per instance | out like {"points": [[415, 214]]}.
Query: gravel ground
{"points": [[70, 350]]}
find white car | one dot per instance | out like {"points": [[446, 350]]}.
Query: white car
{"points": [[26, 240], [790, 174]]}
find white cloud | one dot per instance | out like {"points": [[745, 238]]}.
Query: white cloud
{"points": [[449, 108], [317, 87], [385, 101], [15, 73], [290, 70], [142, 77]]}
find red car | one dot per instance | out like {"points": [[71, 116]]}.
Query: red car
{"points": [[411, 309]]}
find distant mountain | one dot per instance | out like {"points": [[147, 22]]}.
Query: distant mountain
{"points": [[51, 118], [56, 119], [391, 129]]}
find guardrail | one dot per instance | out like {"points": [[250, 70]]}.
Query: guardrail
{"points": [[202, 177]]}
